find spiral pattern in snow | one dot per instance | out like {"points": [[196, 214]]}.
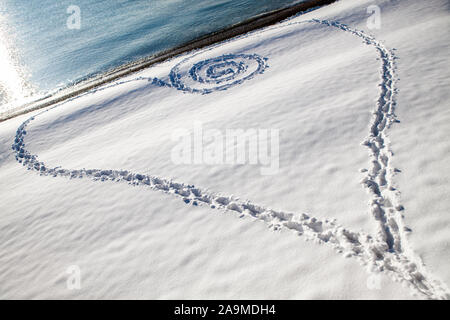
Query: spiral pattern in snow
{"points": [[216, 74]]}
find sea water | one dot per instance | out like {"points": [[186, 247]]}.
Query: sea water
{"points": [[50, 44]]}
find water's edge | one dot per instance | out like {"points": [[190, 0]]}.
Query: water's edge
{"points": [[246, 26]]}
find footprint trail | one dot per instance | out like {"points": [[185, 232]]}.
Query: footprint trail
{"points": [[388, 251]]}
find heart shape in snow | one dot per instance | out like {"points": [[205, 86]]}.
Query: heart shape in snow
{"points": [[385, 251]]}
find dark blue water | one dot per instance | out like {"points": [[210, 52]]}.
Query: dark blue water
{"points": [[48, 53]]}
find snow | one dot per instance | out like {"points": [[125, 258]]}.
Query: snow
{"points": [[362, 143]]}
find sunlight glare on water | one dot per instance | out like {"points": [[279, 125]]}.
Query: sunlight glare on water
{"points": [[13, 85]]}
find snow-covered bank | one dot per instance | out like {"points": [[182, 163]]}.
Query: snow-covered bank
{"points": [[328, 88]]}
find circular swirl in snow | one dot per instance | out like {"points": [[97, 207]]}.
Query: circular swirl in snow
{"points": [[218, 73]]}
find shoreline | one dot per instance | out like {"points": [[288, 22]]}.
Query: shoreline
{"points": [[246, 26]]}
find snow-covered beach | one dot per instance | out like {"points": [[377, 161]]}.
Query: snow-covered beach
{"points": [[355, 206]]}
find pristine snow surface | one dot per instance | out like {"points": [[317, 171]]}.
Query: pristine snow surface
{"points": [[358, 208]]}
